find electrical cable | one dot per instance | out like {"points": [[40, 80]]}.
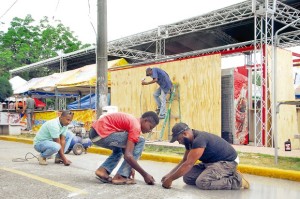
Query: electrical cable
{"points": [[25, 159], [90, 18], [55, 9], [9, 8]]}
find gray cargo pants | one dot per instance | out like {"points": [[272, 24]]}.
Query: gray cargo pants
{"points": [[215, 176]]}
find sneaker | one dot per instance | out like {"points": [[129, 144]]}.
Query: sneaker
{"points": [[161, 116], [42, 160], [58, 160], [245, 183]]}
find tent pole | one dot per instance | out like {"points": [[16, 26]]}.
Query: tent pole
{"points": [[56, 99], [78, 99]]}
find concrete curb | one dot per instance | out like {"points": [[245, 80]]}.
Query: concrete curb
{"points": [[249, 169]]}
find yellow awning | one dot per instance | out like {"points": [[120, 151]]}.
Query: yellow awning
{"points": [[86, 76]]}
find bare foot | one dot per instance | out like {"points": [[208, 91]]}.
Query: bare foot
{"points": [[102, 173]]}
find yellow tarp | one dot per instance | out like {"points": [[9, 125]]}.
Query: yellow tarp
{"points": [[87, 117], [86, 76]]}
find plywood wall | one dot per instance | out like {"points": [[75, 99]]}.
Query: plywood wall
{"points": [[287, 117], [199, 80]]}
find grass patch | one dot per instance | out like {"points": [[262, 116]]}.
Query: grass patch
{"points": [[25, 135], [255, 159], [164, 150], [263, 160]]}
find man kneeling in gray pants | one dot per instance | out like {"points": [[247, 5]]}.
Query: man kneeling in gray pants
{"points": [[219, 161]]}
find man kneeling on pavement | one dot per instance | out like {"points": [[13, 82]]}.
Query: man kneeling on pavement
{"points": [[219, 160], [53, 138]]}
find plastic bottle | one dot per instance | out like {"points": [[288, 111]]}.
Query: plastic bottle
{"points": [[287, 145]]}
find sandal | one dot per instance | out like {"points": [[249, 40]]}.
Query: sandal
{"points": [[104, 180], [128, 181]]}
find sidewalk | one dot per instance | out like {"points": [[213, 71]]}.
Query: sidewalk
{"points": [[242, 148]]}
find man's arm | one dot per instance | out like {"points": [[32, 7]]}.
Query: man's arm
{"points": [[186, 166], [62, 141], [151, 82], [177, 166], [128, 156]]}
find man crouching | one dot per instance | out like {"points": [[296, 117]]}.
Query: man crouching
{"points": [[52, 138]]}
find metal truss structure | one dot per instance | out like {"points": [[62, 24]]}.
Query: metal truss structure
{"points": [[125, 47], [229, 15], [264, 13]]}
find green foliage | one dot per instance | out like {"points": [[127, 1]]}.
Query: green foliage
{"points": [[256, 79], [5, 89], [50, 102], [26, 43]]}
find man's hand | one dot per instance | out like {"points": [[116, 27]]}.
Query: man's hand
{"points": [[166, 183], [132, 174], [149, 179], [144, 83], [67, 162], [165, 177]]}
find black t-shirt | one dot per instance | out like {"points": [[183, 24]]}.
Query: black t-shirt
{"points": [[216, 148]]}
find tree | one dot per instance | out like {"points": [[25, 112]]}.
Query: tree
{"points": [[25, 43], [5, 89]]}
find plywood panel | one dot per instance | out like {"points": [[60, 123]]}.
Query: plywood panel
{"points": [[200, 92], [287, 118]]}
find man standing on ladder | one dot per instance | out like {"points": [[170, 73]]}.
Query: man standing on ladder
{"points": [[162, 78]]}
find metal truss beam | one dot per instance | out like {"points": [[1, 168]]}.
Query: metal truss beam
{"points": [[290, 39], [286, 14], [216, 18], [132, 54], [54, 60], [225, 51]]}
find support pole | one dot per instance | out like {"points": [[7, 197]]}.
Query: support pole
{"points": [[101, 57]]}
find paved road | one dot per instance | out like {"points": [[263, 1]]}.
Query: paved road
{"points": [[30, 180]]}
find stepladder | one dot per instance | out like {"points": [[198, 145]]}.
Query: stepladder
{"points": [[173, 113]]}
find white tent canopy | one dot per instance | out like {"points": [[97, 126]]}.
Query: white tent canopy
{"points": [[16, 82], [27, 86]]}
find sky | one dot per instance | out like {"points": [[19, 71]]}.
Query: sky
{"points": [[124, 17]]}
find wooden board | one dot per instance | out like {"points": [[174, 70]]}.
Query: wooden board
{"points": [[287, 117], [200, 92]]}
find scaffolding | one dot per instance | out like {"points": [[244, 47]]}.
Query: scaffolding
{"points": [[258, 52]]}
